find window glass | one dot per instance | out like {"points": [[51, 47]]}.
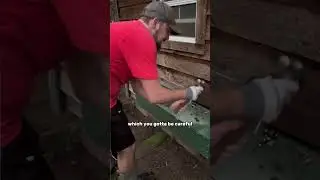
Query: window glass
{"points": [[187, 29], [186, 18], [188, 11], [176, 10]]}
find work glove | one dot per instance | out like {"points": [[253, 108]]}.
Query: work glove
{"points": [[266, 97], [193, 92]]}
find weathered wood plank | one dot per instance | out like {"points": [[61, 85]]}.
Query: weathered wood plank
{"points": [[201, 21], [131, 12], [286, 28], [205, 56], [176, 80], [311, 5], [186, 65], [208, 28], [208, 21], [184, 47], [301, 118], [125, 3], [114, 10], [245, 60]]}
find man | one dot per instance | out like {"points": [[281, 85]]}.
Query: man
{"points": [[133, 57], [35, 35]]}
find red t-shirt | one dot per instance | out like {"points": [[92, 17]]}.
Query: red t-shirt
{"points": [[35, 35], [133, 55]]}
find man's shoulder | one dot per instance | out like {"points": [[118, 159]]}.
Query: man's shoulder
{"points": [[133, 28]]}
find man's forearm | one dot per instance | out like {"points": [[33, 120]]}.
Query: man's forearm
{"points": [[160, 95], [166, 96]]}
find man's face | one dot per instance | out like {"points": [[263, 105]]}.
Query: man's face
{"points": [[161, 33]]}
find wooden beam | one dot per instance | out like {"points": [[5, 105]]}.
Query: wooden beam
{"points": [[131, 12], [184, 47], [205, 56], [188, 66], [114, 12], [286, 28], [201, 21], [208, 28], [246, 60], [175, 80], [301, 118], [310, 5], [126, 3], [208, 21]]}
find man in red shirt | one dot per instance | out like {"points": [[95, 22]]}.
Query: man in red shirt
{"points": [[133, 49], [133, 57], [35, 36]]}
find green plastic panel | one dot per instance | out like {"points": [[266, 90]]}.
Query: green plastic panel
{"points": [[194, 133]]}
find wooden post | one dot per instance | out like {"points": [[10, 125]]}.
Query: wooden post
{"points": [[114, 11]]}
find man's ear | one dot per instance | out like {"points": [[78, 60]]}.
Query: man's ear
{"points": [[155, 21]]}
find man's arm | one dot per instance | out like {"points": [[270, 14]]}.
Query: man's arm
{"points": [[155, 93], [140, 54]]}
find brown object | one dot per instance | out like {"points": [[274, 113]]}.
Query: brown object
{"points": [[114, 10], [202, 8], [302, 118], [193, 67], [287, 28]]}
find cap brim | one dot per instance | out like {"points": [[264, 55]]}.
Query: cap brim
{"points": [[174, 30]]}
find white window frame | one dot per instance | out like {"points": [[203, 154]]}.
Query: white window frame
{"points": [[173, 3]]}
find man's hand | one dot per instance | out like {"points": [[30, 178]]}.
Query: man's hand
{"points": [[178, 105]]}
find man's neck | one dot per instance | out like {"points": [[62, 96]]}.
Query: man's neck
{"points": [[145, 25]]}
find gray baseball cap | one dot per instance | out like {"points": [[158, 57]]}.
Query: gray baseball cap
{"points": [[163, 12]]}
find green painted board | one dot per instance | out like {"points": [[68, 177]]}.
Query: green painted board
{"points": [[195, 132]]}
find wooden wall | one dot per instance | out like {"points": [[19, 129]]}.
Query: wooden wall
{"points": [[180, 64], [248, 37]]}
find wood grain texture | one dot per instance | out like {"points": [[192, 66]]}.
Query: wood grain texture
{"points": [[208, 28], [208, 21], [302, 117], [125, 3], [310, 5], [184, 47], [201, 21], [240, 59], [286, 28], [193, 67], [204, 56], [114, 10], [131, 12]]}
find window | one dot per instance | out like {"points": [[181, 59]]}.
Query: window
{"points": [[186, 13]]}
